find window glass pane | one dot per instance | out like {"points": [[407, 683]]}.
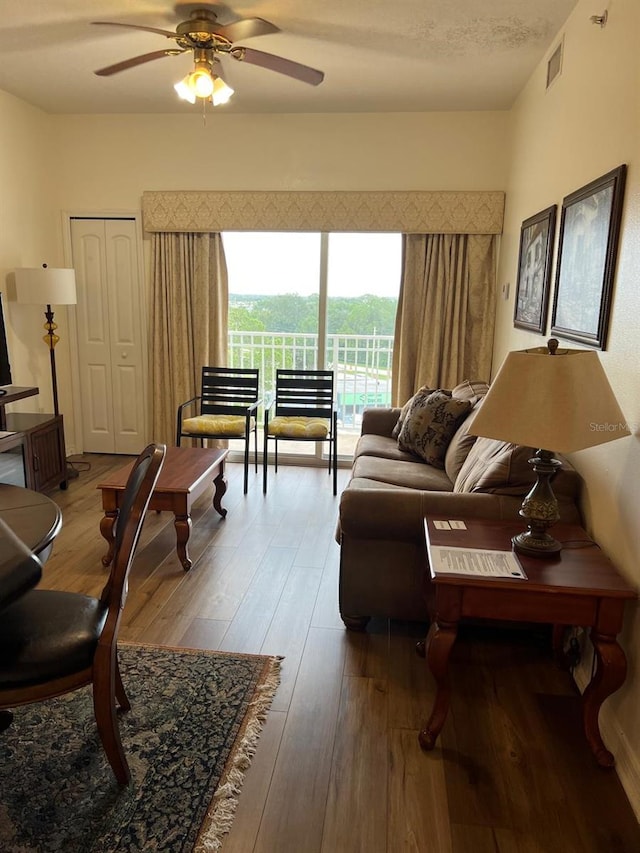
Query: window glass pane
{"points": [[275, 294], [363, 283], [362, 264], [274, 281], [272, 262]]}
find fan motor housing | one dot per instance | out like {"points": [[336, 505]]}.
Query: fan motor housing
{"points": [[200, 31]]}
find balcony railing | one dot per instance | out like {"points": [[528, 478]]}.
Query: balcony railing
{"points": [[361, 365]]}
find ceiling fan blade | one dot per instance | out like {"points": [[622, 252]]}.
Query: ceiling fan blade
{"points": [[166, 33], [137, 60], [246, 29], [278, 63]]}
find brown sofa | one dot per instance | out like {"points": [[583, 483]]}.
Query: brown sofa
{"points": [[381, 520]]}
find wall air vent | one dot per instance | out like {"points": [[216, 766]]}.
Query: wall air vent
{"points": [[554, 65]]}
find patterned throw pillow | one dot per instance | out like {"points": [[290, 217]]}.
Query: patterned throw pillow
{"points": [[405, 409], [430, 424]]}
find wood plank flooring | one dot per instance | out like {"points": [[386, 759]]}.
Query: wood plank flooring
{"points": [[338, 768]]}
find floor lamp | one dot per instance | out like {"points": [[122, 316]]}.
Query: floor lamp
{"points": [[47, 286]]}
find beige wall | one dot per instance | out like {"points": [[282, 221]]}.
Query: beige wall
{"points": [[585, 125], [29, 236], [108, 161]]}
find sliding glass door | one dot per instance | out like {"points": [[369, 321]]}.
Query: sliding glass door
{"points": [[316, 301]]}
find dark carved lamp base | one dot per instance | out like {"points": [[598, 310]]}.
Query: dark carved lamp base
{"points": [[540, 509]]}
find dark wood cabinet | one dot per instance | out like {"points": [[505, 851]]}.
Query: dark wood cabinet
{"points": [[44, 451], [41, 437]]}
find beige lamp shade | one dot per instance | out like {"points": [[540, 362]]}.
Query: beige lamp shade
{"points": [[561, 402], [46, 286]]}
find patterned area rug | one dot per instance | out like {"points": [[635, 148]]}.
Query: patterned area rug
{"points": [[194, 722]]}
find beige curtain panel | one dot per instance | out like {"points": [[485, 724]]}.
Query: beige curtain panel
{"points": [[445, 318], [190, 297]]}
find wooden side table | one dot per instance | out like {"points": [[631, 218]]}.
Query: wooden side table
{"points": [[579, 586], [12, 393]]}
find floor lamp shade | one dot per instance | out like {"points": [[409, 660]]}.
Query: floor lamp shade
{"points": [[46, 286]]}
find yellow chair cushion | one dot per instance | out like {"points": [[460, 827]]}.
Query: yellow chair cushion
{"points": [[299, 427], [216, 424]]}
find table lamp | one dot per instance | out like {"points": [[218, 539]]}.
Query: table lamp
{"points": [[548, 397], [47, 286]]}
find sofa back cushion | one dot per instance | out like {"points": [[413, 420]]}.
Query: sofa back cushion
{"points": [[430, 425], [497, 467], [459, 448], [474, 391]]}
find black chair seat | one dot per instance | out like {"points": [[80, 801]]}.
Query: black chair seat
{"points": [[46, 635]]}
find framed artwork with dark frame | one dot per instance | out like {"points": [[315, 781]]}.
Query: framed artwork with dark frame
{"points": [[534, 270], [588, 247]]}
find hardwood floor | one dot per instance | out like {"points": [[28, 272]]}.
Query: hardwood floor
{"points": [[338, 768]]}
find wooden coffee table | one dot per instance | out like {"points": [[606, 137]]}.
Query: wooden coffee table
{"points": [[186, 473], [578, 586]]}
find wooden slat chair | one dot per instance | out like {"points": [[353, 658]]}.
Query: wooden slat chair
{"points": [[53, 642], [226, 408], [304, 411]]}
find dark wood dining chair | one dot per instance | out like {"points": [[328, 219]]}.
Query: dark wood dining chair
{"points": [[304, 410], [53, 642], [226, 408]]}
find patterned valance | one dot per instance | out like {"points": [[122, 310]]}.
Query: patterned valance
{"points": [[474, 212]]}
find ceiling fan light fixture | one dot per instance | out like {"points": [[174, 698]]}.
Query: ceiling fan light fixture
{"points": [[201, 81], [221, 92], [183, 90]]}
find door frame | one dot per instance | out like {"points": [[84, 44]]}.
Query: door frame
{"points": [[77, 446]]}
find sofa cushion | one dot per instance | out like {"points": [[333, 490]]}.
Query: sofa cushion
{"points": [[299, 427], [430, 425], [497, 467], [217, 424], [410, 475], [421, 392], [458, 450], [459, 446], [382, 446], [472, 390]]}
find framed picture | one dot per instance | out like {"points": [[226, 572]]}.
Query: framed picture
{"points": [[589, 232], [534, 270]]}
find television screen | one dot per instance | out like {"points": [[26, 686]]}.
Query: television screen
{"points": [[5, 367]]}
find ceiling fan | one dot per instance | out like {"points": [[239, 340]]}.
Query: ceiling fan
{"points": [[210, 41]]}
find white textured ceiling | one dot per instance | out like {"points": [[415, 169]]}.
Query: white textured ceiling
{"points": [[407, 55]]}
